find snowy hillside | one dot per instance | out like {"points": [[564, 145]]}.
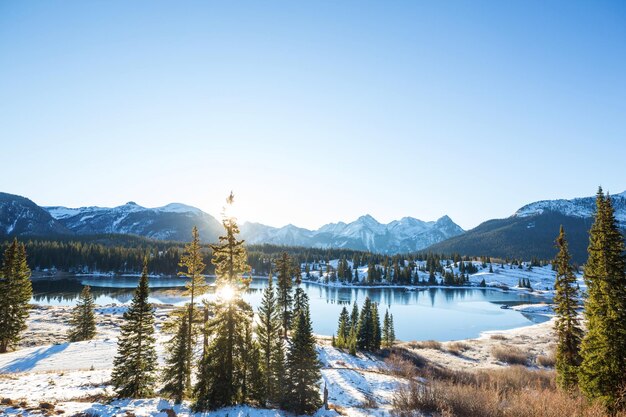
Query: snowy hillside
{"points": [[74, 378], [171, 222], [21, 217], [365, 233], [577, 207], [531, 230]]}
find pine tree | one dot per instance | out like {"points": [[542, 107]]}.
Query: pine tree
{"points": [[303, 367], [196, 285], [300, 300], [386, 335], [269, 332], [365, 332], [569, 333], [377, 331], [279, 370], [343, 329], [83, 321], [354, 317], [602, 373], [175, 376], [16, 290], [222, 379], [135, 364], [392, 331], [252, 390], [285, 298]]}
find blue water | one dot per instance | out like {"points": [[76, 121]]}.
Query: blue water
{"points": [[438, 313]]}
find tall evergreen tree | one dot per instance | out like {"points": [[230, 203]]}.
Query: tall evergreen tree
{"points": [[16, 290], [269, 332], [567, 327], [603, 350], [377, 330], [365, 332], [83, 321], [193, 264], [222, 371], [252, 389], [175, 372], [354, 317], [343, 329], [285, 298], [303, 367], [135, 364], [386, 334], [279, 393]]}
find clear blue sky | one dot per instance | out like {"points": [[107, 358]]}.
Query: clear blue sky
{"points": [[314, 111]]}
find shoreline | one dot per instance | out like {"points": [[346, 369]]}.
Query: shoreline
{"points": [[406, 287]]}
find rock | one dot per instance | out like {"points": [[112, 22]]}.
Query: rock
{"points": [[23, 404], [169, 411], [46, 406], [6, 401]]}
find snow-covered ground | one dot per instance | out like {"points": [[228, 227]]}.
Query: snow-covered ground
{"points": [[74, 377], [502, 276]]}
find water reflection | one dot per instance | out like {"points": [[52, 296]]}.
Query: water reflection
{"points": [[423, 313]]}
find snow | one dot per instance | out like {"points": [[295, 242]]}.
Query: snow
{"points": [[178, 208], [577, 207], [72, 376]]}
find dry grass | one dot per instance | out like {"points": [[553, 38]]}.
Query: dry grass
{"points": [[510, 392], [498, 337], [510, 355], [457, 348], [547, 361], [369, 402], [426, 344]]}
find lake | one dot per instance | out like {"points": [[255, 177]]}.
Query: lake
{"points": [[437, 313]]}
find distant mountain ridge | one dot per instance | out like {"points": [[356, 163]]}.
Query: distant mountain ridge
{"points": [[531, 230], [365, 233], [171, 222], [175, 221], [19, 216]]}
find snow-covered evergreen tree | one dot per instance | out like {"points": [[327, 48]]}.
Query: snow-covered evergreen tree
{"points": [[135, 364], [83, 321]]}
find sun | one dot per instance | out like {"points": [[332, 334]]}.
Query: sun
{"points": [[226, 292]]}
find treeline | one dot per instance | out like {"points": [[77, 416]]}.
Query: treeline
{"points": [[126, 254]]}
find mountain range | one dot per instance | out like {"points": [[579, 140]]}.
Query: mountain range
{"points": [[529, 232], [22, 217]]}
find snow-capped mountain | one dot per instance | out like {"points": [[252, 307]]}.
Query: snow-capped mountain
{"points": [[365, 233], [21, 217], [531, 230], [578, 207], [170, 222]]}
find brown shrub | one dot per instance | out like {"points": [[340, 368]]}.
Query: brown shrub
{"points": [[400, 366], [510, 355], [457, 348], [369, 402], [498, 337], [547, 361], [515, 392], [428, 344]]}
